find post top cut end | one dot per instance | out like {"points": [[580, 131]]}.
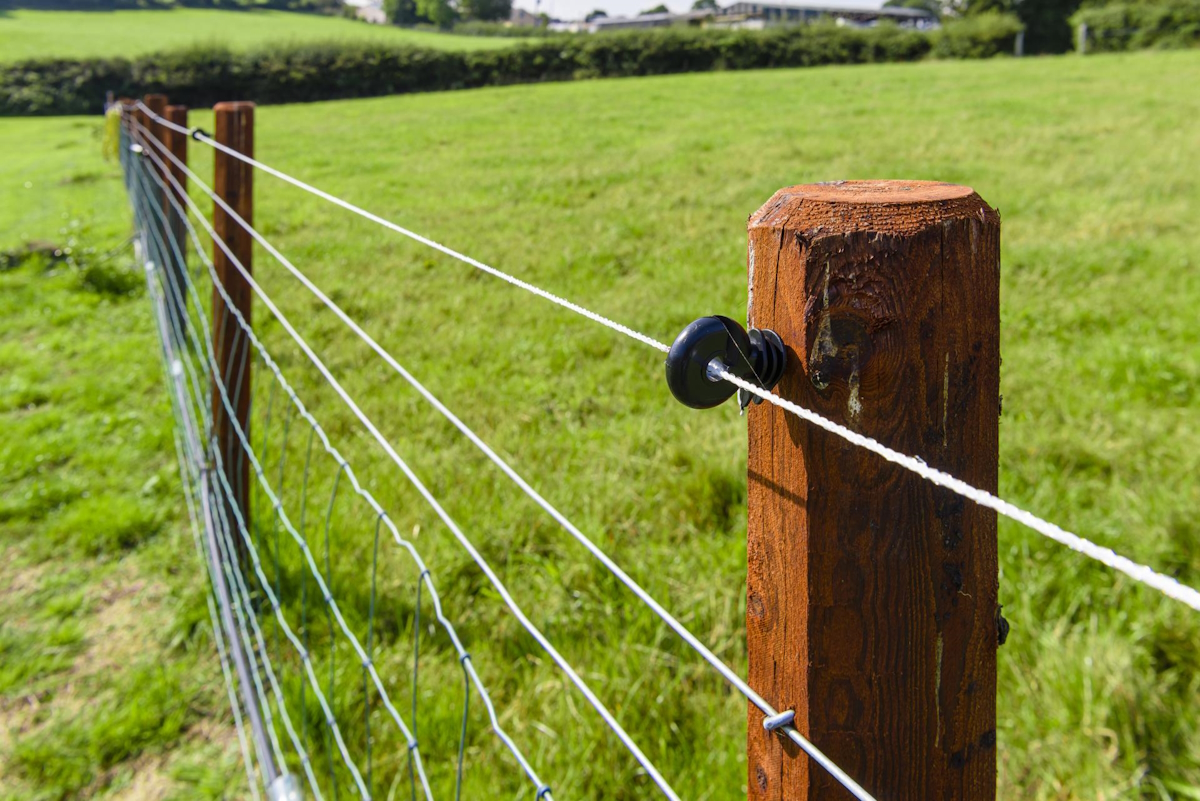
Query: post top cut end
{"points": [[234, 106], [890, 207], [881, 191]]}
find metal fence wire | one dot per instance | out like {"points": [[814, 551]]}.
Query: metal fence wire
{"points": [[324, 614]]}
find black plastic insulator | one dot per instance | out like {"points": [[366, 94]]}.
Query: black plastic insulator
{"points": [[757, 356]]}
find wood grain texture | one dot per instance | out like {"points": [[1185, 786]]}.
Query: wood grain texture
{"points": [[872, 594], [233, 182]]}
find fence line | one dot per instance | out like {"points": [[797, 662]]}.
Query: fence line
{"points": [[184, 374], [469, 670], [187, 481], [1141, 573], [239, 591], [534, 631], [169, 334], [739, 684]]}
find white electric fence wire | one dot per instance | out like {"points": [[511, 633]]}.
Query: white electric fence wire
{"points": [[185, 476], [178, 403], [239, 591], [1141, 573], [238, 584], [483, 564], [528, 287], [464, 656], [168, 324], [682, 631], [305, 760], [305, 656], [1164, 584], [327, 596]]}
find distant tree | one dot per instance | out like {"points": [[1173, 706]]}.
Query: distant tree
{"points": [[974, 7], [658, 9], [402, 12], [486, 10], [599, 13], [1046, 26], [705, 5], [932, 6], [439, 12]]}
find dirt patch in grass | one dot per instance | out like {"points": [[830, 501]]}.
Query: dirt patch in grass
{"points": [[15, 583], [123, 624]]}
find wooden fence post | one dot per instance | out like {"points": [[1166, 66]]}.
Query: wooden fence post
{"points": [[159, 243], [872, 594], [157, 104], [177, 144], [234, 184]]}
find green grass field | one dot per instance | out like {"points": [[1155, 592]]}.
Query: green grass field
{"points": [[630, 196], [126, 34]]}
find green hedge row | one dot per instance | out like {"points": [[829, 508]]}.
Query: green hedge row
{"points": [[300, 73], [1138, 25], [328, 6], [979, 36]]}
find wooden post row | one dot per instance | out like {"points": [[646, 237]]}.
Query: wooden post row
{"points": [[872, 594], [234, 184], [172, 253]]}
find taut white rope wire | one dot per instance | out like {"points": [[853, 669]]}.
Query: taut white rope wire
{"points": [[682, 631], [1145, 575], [185, 476], [464, 656], [738, 683], [1141, 573]]}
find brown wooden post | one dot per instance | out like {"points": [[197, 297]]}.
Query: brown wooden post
{"points": [[140, 117], [872, 594], [158, 105], [127, 118], [162, 225], [177, 144], [234, 184]]}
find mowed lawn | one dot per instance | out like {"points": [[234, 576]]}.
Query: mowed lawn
{"points": [[127, 34], [631, 197]]}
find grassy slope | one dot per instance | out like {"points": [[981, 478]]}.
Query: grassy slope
{"points": [[631, 196], [80, 34]]}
